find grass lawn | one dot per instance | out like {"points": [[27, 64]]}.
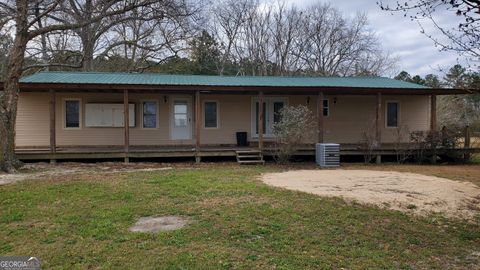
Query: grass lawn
{"points": [[82, 222], [476, 159]]}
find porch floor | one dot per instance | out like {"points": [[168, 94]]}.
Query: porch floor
{"points": [[94, 152], [106, 152]]}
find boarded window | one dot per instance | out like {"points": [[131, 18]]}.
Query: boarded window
{"points": [[149, 114], [210, 110], [72, 113], [326, 108], [392, 114]]}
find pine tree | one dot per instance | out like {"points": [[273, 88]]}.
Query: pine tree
{"points": [[205, 54]]}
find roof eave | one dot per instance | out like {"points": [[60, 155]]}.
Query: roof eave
{"points": [[327, 90]]}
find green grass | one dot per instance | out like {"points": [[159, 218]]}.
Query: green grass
{"points": [[475, 159], [237, 223]]}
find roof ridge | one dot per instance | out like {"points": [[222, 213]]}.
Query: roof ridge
{"points": [[211, 76]]}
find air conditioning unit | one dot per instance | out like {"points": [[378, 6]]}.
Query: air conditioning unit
{"points": [[327, 154]]}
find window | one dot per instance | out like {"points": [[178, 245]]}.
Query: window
{"points": [[326, 109], [72, 113], [210, 114], [180, 114], [277, 108], [392, 114], [149, 114]]}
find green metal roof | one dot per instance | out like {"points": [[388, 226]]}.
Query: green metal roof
{"points": [[203, 80]]}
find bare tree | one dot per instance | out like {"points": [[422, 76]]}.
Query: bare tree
{"points": [[285, 30], [280, 39], [464, 38], [141, 43], [23, 17], [335, 46], [5, 43], [253, 46], [143, 23], [230, 17]]}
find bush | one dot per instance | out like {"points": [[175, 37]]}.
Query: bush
{"points": [[369, 143], [403, 151], [424, 141], [428, 141], [292, 130]]}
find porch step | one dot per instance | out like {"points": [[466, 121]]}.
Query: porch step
{"points": [[250, 157], [251, 162]]}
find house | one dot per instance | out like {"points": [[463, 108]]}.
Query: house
{"points": [[72, 115]]}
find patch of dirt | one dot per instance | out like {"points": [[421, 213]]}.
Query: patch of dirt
{"points": [[406, 192], [39, 171], [157, 224]]}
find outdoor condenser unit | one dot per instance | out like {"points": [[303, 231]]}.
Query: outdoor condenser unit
{"points": [[327, 154]]}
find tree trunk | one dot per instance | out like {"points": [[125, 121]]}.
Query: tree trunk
{"points": [[88, 51], [9, 97]]}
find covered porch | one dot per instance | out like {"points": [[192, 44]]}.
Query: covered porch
{"points": [[204, 142]]}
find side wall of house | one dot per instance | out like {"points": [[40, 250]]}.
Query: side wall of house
{"points": [[349, 118]]}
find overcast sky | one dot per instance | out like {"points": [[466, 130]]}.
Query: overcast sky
{"points": [[400, 36]]}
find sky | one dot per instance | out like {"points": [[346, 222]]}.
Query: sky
{"points": [[400, 36]]}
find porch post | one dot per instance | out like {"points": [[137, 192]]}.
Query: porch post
{"points": [[53, 144], [433, 112], [378, 126], [433, 123], [197, 126], [320, 117], [260, 121], [126, 124]]}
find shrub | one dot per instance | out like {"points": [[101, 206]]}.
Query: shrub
{"points": [[403, 148], [369, 143], [295, 126], [430, 141]]}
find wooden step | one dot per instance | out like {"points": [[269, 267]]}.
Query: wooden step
{"points": [[250, 157], [251, 161], [248, 152]]}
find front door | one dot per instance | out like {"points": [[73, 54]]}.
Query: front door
{"points": [[271, 114], [181, 124]]}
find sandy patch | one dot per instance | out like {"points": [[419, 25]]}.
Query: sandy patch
{"points": [[38, 171], [157, 224], [407, 192]]}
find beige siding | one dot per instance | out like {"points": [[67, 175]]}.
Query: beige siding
{"points": [[233, 116], [33, 124], [349, 118], [352, 116], [114, 136]]}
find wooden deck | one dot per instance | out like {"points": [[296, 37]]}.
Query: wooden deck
{"points": [[137, 152], [113, 152]]}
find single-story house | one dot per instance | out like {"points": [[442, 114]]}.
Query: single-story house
{"points": [[70, 115]]}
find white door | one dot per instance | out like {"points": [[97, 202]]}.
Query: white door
{"points": [[271, 114], [181, 119]]}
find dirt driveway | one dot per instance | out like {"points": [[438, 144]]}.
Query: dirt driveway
{"points": [[407, 192]]}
